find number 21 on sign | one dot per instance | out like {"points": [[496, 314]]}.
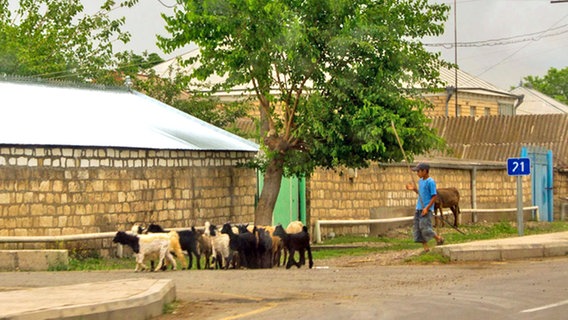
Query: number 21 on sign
{"points": [[518, 166]]}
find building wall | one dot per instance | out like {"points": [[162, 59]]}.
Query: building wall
{"points": [[469, 104], [64, 191]]}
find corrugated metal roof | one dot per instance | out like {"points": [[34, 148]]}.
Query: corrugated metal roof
{"points": [[47, 114], [535, 102], [496, 138], [469, 83]]}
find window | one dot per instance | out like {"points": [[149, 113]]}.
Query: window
{"points": [[506, 109], [472, 111], [486, 111]]}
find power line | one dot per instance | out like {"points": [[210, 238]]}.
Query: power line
{"points": [[166, 5], [521, 48], [534, 36]]}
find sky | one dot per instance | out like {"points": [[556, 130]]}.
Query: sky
{"points": [[530, 36]]}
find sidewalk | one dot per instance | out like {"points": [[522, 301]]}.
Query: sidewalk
{"points": [[120, 299], [525, 247]]}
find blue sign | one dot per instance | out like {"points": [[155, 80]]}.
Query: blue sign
{"points": [[518, 166]]}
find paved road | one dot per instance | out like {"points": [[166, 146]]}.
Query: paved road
{"points": [[530, 289]]}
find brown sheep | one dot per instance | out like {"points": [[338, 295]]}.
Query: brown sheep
{"points": [[447, 198]]}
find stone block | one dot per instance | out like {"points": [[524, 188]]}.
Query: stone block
{"points": [[33, 260], [555, 250], [8, 260], [522, 252], [474, 255]]}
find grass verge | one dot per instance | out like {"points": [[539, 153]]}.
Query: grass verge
{"points": [[401, 240], [397, 240]]}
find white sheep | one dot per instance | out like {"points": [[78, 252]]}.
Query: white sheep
{"points": [[151, 247], [175, 246], [221, 251]]}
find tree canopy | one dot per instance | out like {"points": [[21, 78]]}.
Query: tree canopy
{"points": [[54, 39], [553, 84], [329, 76]]}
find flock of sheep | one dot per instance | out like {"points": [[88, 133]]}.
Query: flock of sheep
{"points": [[232, 246]]}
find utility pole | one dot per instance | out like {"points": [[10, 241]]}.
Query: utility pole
{"points": [[456, 57]]}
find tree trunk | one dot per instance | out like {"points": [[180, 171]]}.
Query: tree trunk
{"points": [[269, 193]]}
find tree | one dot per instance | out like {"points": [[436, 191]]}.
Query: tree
{"points": [[342, 70], [52, 39], [553, 84]]}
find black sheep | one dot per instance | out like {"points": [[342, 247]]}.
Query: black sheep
{"points": [[188, 242], [296, 242], [245, 244], [264, 248]]}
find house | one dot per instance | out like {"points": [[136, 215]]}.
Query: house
{"points": [[538, 103], [475, 97], [86, 159]]}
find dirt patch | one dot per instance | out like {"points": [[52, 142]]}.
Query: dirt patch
{"points": [[206, 308]]}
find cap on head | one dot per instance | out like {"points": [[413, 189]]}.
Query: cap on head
{"points": [[421, 166]]}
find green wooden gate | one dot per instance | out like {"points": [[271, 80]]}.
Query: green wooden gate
{"points": [[291, 202]]}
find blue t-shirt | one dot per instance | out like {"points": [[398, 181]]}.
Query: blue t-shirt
{"points": [[426, 190]]}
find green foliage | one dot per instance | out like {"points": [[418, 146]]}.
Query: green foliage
{"points": [[553, 84], [428, 258], [329, 75], [129, 64], [170, 308], [54, 39], [215, 112], [89, 264]]}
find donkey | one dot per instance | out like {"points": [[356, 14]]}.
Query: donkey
{"points": [[447, 198]]}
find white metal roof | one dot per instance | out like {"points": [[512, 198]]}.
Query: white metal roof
{"points": [[47, 114]]}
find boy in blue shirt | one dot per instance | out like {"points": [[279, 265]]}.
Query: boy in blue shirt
{"points": [[422, 231]]}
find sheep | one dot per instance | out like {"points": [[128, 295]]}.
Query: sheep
{"points": [[187, 240], [174, 238], [221, 251], [155, 246], [205, 248], [293, 227], [264, 248], [447, 198], [296, 242], [244, 243], [277, 245]]}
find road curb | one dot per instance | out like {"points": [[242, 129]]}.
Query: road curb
{"points": [[527, 247], [131, 299]]}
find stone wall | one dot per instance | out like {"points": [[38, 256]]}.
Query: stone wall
{"points": [[379, 192], [63, 191]]}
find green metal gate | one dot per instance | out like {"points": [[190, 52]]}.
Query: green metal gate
{"points": [[291, 202]]}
